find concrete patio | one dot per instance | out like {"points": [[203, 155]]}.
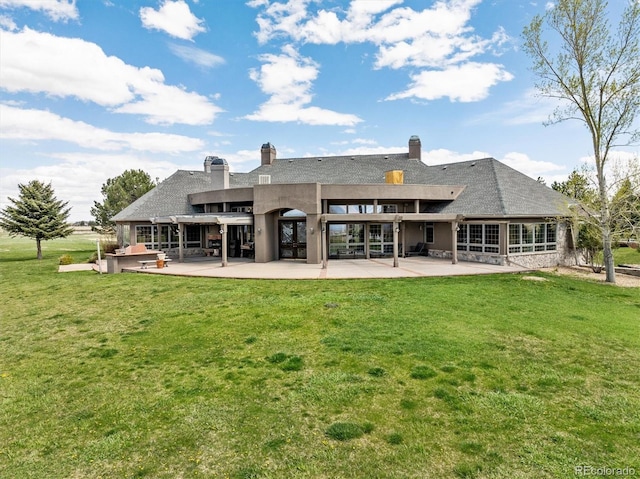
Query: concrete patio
{"points": [[336, 269]]}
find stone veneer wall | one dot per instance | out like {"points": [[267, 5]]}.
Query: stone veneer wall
{"points": [[563, 256]]}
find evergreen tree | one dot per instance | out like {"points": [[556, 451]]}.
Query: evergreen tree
{"points": [[118, 193], [36, 214]]}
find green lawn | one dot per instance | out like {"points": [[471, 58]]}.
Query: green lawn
{"points": [[136, 375]]}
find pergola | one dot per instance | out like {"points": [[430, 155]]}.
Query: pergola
{"points": [[222, 219]]}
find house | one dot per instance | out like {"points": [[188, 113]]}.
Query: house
{"points": [[319, 209]]}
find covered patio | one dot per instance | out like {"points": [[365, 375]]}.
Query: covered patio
{"points": [[344, 269], [219, 220]]}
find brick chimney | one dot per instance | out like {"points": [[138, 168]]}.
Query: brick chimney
{"points": [[415, 148], [268, 154]]}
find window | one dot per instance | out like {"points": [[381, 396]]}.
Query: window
{"points": [[483, 238], [346, 238], [428, 233], [167, 236], [387, 208], [532, 237], [381, 238], [361, 208], [145, 235], [193, 237]]}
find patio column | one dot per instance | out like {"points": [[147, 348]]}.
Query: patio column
{"points": [[323, 230], [366, 241], [223, 232], [454, 242], [180, 243], [396, 229]]}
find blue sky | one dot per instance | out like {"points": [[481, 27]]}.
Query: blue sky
{"points": [[90, 88]]}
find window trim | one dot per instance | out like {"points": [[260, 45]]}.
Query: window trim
{"points": [[482, 243], [524, 238]]}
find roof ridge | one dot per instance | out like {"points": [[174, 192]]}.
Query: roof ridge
{"points": [[498, 185]]}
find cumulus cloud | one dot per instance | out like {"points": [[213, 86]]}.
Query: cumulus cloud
{"points": [[38, 62], [288, 79], [57, 10], [174, 18], [438, 40], [78, 177], [465, 83], [32, 124]]}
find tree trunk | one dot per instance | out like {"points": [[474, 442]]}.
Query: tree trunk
{"points": [[607, 251], [39, 245], [605, 221]]}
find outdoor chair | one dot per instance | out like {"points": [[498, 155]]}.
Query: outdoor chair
{"points": [[418, 250]]}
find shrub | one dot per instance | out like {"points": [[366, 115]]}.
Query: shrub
{"points": [[108, 246], [65, 259]]}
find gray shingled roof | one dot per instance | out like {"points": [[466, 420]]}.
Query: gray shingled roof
{"points": [[168, 198], [491, 188], [361, 169]]}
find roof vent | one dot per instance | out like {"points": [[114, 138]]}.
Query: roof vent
{"points": [[473, 164], [264, 179], [319, 159], [444, 167]]}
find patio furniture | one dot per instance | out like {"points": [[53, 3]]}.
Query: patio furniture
{"points": [[419, 249]]}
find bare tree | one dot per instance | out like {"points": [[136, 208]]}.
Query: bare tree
{"points": [[594, 72]]}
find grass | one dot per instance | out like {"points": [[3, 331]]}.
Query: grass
{"points": [[131, 375]]}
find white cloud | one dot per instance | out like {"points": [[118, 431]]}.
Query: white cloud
{"points": [[197, 56], [288, 78], [78, 177], [57, 10], [39, 62], [443, 156], [31, 124], [7, 23], [438, 37], [174, 18], [467, 82], [532, 168]]}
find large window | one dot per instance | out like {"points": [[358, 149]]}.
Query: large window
{"points": [[381, 238], [346, 238], [167, 236], [532, 237], [483, 238]]}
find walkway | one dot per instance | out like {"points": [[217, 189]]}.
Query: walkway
{"points": [[336, 269]]}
